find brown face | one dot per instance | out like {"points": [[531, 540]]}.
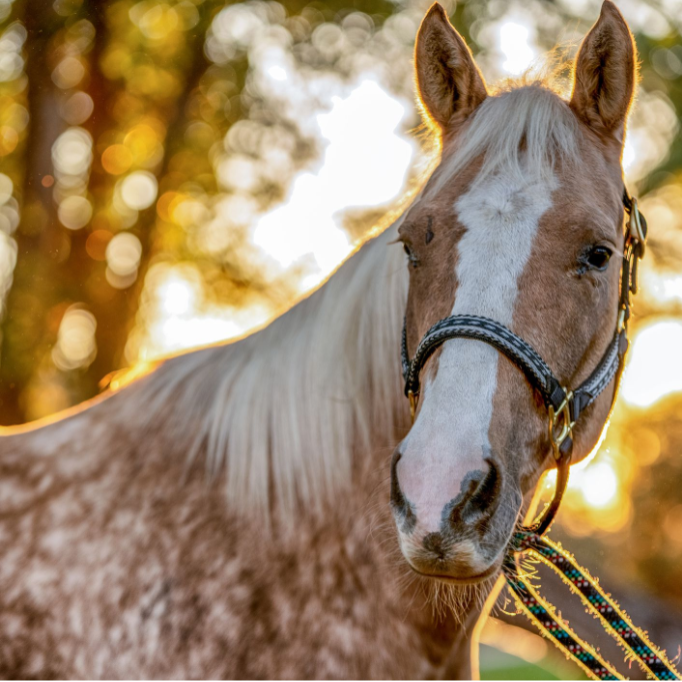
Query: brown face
{"points": [[531, 238]]}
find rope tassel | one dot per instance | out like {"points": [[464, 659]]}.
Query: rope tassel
{"points": [[615, 621]]}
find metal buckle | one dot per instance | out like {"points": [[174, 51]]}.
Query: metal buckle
{"points": [[562, 417], [414, 399], [621, 320], [635, 228]]}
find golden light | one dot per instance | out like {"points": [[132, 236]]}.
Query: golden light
{"points": [[123, 253], [96, 244], [116, 159], [365, 164], [239, 172], [514, 640], [75, 212], [71, 160], [11, 44], [8, 259], [600, 486], [9, 216], [277, 72], [65, 8], [68, 73], [672, 526], [5, 226], [597, 495], [179, 316], [72, 153], [232, 214], [5, 9], [138, 190], [234, 24], [77, 108], [6, 188], [76, 340], [145, 141], [655, 363], [9, 138], [177, 294], [364, 160], [188, 212], [661, 287], [651, 129], [155, 20]]}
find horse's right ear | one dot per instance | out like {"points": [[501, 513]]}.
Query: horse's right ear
{"points": [[450, 84]]}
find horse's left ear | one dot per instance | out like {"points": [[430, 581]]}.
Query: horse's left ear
{"points": [[605, 74], [450, 84]]}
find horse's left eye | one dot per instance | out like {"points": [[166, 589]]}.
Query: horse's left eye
{"points": [[598, 257]]}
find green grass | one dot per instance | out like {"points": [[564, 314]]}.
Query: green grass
{"points": [[497, 665]]}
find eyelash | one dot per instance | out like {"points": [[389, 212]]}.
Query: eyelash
{"points": [[596, 258], [411, 257]]}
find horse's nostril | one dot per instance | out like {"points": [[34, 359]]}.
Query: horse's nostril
{"points": [[397, 497], [402, 509], [433, 542], [484, 497]]}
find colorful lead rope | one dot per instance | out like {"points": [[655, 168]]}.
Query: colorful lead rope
{"points": [[651, 659]]}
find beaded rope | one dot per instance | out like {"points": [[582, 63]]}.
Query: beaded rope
{"points": [[633, 640], [550, 624]]}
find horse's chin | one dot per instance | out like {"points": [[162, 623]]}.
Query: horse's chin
{"points": [[454, 572], [459, 578]]}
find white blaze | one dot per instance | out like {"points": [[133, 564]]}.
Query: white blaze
{"points": [[450, 435]]}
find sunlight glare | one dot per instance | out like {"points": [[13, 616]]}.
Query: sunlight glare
{"points": [[277, 72], [515, 45], [655, 364], [177, 295], [365, 164], [75, 345], [599, 485], [179, 317], [661, 287]]}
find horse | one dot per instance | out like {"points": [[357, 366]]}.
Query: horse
{"points": [[266, 508]]}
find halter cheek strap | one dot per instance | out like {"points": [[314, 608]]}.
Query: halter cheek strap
{"points": [[564, 406]]}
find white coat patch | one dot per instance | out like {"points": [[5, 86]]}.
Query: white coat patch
{"points": [[450, 435]]}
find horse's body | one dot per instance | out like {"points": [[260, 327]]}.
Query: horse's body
{"points": [[228, 515], [119, 560]]}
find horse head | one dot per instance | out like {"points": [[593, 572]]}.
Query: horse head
{"points": [[521, 222]]}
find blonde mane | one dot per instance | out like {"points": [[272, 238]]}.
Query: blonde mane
{"points": [[521, 127], [281, 412]]}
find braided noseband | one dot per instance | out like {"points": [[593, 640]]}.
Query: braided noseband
{"points": [[563, 405]]}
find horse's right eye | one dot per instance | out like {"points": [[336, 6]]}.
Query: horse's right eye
{"points": [[411, 257], [598, 257]]}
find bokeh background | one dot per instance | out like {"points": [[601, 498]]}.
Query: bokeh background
{"points": [[175, 173]]}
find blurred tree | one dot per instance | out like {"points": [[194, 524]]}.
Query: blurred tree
{"points": [[134, 157], [39, 243], [124, 107], [90, 121]]}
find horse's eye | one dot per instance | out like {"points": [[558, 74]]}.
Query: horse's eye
{"points": [[598, 257], [414, 261]]}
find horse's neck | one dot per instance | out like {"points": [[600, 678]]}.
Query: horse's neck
{"points": [[286, 411]]}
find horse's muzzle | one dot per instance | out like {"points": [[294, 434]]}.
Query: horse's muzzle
{"points": [[463, 540]]}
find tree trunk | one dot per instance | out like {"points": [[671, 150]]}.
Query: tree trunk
{"points": [[116, 317], [53, 267], [42, 243]]}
